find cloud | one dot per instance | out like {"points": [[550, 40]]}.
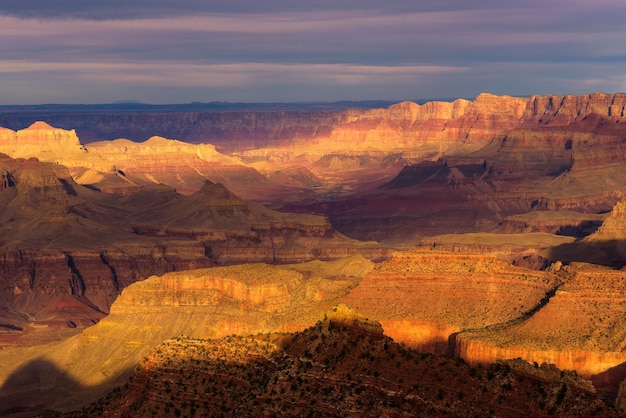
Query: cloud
{"points": [[124, 9], [182, 74], [281, 48]]}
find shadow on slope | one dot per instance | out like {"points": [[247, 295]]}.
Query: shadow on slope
{"points": [[608, 382], [342, 366], [610, 253], [40, 387]]}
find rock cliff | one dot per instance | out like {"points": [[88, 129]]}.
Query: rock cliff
{"points": [[485, 310], [563, 110], [42, 141], [423, 297], [436, 125], [180, 165], [580, 328]]}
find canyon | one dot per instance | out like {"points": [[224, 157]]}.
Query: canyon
{"points": [[484, 229]]}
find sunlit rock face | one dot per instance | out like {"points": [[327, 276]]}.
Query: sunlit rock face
{"points": [[563, 110], [245, 299], [423, 297], [580, 328], [184, 166], [42, 141], [485, 310], [439, 125], [614, 227]]}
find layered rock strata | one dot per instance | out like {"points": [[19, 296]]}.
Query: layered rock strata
{"points": [[60, 238], [423, 297], [581, 328], [484, 310]]}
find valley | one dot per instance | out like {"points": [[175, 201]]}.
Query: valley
{"points": [[488, 233]]}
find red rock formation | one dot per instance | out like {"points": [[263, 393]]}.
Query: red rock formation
{"points": [[438, 124], [580, 328], [423, 297], [563, 110]]}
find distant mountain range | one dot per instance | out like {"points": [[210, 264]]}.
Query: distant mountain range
{"points": [[133, 105]]}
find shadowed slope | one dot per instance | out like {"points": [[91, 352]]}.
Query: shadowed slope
{"points": [[343, 366]]}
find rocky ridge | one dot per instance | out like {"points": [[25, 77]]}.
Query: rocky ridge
{"points": [[342, 366]]}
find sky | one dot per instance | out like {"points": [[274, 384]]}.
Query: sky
{"points": [[182, 51]]}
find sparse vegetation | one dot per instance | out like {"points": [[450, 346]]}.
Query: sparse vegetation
{"points": [[304, 375]]}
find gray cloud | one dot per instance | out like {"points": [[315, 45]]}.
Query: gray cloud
{"points": [[192, 50], [124, 9]]}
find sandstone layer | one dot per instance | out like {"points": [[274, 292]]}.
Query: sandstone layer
{"points": [[423, 297]]}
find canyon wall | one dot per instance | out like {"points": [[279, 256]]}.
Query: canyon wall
{"points": [[65, 245], [228, 130], [439, 124], [403, 124], [422, 297], [484, 310]]}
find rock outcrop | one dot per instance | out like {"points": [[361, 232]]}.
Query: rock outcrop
{"points": [[563, 110], [42, 141], [180, 165], [423, 297], [484, 310], [580, 328], [434, 125]]}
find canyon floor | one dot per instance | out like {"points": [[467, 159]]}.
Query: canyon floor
{"points": [[488, 233]]}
